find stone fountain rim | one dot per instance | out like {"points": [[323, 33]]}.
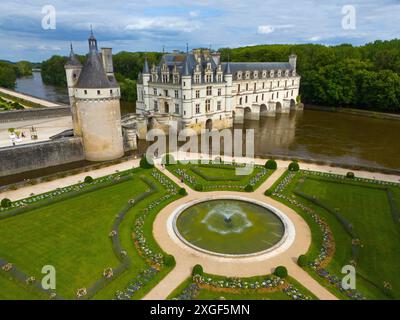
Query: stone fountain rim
{"points": [[284, 244]]}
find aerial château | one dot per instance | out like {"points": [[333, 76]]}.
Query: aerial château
{"points": [[199, 91]]}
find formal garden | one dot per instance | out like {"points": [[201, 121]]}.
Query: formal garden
{"points": [[354, 222], [97, 235], [217, 176]]}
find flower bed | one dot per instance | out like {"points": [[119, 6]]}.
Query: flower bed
{"points": [[240, 286]]}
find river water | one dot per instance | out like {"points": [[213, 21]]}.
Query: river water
{"points": [[320, 135]]}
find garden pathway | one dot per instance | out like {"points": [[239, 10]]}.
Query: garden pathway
{"points": [[187, 257]]}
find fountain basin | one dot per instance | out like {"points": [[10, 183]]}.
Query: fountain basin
{"points": [[232, 227]]}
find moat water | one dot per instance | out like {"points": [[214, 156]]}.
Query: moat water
{"points": [[320, 135]]}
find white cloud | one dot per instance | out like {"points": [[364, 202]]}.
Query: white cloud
{"points": [[265, 29], [314, 38], [162, 23], [194, 14]]}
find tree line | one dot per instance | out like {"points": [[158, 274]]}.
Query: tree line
{"points": [[9, 72], [364, 77]]}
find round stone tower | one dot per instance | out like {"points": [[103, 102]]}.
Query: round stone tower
{"points": [[96, 95]]}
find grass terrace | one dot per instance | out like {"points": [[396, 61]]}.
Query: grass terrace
{"points": [[353, 222], [219, 176], [97, 235]]}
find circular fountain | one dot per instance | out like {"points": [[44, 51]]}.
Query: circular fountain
{"points": [[232, 227]]}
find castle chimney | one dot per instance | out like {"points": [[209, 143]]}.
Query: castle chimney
{"points": [[106, 54]]}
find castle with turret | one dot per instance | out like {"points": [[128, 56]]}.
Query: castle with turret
{"points": [[200, 92], [194, 90], [95, 103]]}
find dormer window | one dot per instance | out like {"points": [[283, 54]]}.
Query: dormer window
{"points": [[197, 78], [239, 75], [255, 74], [208, 78], [264, 74], [279, 73], [248, 75], [272, 73]]}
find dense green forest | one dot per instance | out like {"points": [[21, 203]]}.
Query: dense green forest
{"points": [[9, 72], [365, 77]]}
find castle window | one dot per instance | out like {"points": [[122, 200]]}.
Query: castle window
{"points": [[255, 87], [208, 78], [247, 87], [292, 82], [241, 101], [197, 108], [155, 91], [286, 83], [74, 76], [208, 105], [238, 87], [85, 91], [197, 78], [292, 93], [277, 95], [263, 85], [279, 84], [177, 108], [176, 79], [256, 98], [111, 92], [219, 92], [155, 106], [197, 94], [219, 105], [220, 78], [273, 96], [176, 94], [262, 97], [98, 92], [209, 91], [247, 99], [166, 93]]}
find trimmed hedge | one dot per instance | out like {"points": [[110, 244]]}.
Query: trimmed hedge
{"points": [[169, 260], [182, 192], [303, 261], [6, 203], [271, 164], [281, 272], [294, 166], [88, 179], [249, 188], [144, 164], [197, 270], [350, 175]]}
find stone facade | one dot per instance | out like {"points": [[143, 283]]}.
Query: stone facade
{"points": [[198, 91]]}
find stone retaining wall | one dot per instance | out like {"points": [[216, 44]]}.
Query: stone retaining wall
{"points": [[40, 155], [34, 113]]}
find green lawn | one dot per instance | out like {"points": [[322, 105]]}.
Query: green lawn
{"points": [[366, 207], [218, 176], [73, 236]]}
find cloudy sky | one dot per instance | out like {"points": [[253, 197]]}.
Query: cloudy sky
{"points": [[144, 25]]}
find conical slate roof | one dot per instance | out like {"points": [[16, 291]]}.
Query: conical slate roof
{"points": [[73, 60], [93, 75], [186, 67]]}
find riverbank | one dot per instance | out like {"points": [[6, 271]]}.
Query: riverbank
{"points": [[27, 100], [357, 112]]}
